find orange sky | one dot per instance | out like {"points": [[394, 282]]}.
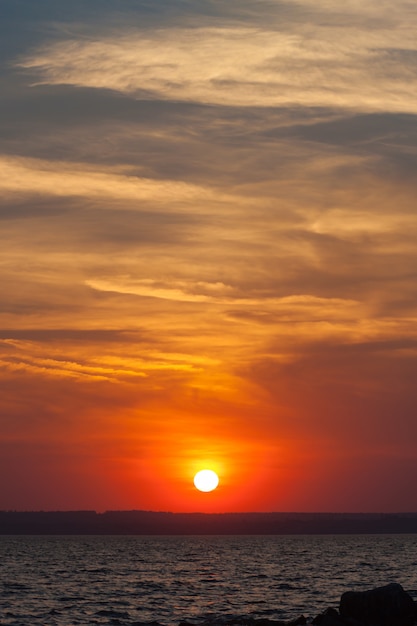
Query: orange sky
{"points": [[208, 257]]}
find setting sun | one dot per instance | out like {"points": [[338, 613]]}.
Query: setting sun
{"points": [[206, 480]]}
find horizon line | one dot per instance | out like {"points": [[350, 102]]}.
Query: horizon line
{"points": [[375, 513]]}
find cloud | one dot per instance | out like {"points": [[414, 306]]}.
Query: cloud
{"points": [[150, 288], [44, 335], [294, 307], [34, 176], [310, 66], [91, 355]]}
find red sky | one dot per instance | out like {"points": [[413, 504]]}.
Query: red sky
{"points": [[208, 256]]}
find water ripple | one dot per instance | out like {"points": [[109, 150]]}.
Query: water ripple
{"points": [[142, 580]]}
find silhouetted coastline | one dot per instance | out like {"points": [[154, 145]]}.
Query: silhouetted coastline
{"points": [[160, 523], [389, 605]]}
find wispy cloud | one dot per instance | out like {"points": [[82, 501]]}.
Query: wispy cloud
{"points": [[35, 176], [314, 65]]}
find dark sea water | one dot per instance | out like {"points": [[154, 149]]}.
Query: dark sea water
{"points": [[133, 580]]}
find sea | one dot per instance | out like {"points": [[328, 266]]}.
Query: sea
{"points": [[137, 580]]}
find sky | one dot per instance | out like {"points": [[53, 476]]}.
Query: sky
{"points": [[208, 254]]}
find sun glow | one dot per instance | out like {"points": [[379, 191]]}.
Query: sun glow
{"points": [[206, 480]]}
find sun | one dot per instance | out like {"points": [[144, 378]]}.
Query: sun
{"points": [[206, 480]]}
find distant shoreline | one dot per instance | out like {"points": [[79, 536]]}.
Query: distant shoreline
{"points": [[161, 523]]}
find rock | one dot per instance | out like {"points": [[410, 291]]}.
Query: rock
{"points": [[330, 617], [383, 606]]}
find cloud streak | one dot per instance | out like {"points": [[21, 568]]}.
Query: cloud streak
{"points": [[243, 66], [20, 175]]}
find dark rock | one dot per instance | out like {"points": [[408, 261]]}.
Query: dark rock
{"points": [[383, 606], [330, 617]]}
